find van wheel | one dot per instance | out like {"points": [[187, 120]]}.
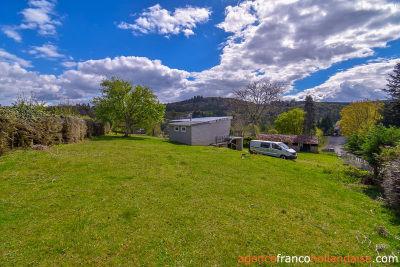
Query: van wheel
{"points": [[283, 157]]}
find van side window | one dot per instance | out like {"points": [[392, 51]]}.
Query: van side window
{"points": [[276, 146], [265, 145]]}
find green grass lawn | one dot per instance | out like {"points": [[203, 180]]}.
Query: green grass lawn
{"points": [[143, 201]]}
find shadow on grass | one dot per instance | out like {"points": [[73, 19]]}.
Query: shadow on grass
{"points": [[116, 138], [377, 193], [374, 192], [175, 143]]}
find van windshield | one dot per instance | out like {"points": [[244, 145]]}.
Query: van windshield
{"points": [[284, 146]]}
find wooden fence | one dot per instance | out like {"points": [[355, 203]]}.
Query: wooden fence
{"points": [[353, 160]]}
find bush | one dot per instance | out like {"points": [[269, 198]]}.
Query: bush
{"points": [[246, 141], [21, 127], [272, 131], [96, 128], [74, 129]]}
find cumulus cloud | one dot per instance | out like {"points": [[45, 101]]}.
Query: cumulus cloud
{"points": [[7, 57], [155, 19], [84, 81], [14, 80], [39, 16], [238, 17], [282, 40], [287, 40], [166, 82], [47, 51], [357, 83]]}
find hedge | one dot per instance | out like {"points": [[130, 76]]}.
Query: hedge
{"points": [[45, 129]]}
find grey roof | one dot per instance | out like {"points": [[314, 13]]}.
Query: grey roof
{"points": [[197, 121]]}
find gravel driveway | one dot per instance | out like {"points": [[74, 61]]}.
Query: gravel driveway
{"points": [[336, 142]]}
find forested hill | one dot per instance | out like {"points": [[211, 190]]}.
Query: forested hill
{"points": [[201, 106]]}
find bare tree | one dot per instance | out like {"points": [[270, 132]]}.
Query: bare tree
{"points": [[257, 98]]}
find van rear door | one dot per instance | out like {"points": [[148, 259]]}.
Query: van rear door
{"points": [[255, 146]]}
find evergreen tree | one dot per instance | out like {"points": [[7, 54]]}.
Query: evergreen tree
{"points": [[309, 124], [326, 124], [393, 85], [391, 110]]}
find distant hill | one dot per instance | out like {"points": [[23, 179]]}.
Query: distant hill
{"points": [[201, 106]]}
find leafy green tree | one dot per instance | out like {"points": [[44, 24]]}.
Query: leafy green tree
{"points": [[309, 124], [122, 103], [354, 143], [375, 140], [290, 122]]}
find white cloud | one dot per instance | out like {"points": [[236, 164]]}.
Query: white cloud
{"points": [[357, 83], [12, 33], [288, 40], [15, 80], [166, 82], [238, 17], [161, 21], [40, 15], [47, 51], [68, 64], [281, 40], [7, 57], [84, 82]]}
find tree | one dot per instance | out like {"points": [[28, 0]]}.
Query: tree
{"points": [[256, 98], [309, 124], [375, 140], [359, 117], [391, 110], [290, 122], [393, 85], [326, 124], [121, 103]]}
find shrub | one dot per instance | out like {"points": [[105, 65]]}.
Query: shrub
{"points": [[272, 131], [246, 141], [74, 129], [96, 128], [28, 123]]}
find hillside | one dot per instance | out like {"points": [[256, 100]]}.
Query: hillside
{"points": [[142, 201], [219, 106]]}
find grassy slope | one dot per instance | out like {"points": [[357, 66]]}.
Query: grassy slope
{"points": [[145, 201]]}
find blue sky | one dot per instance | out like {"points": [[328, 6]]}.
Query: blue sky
{"points": [[334, 50]]}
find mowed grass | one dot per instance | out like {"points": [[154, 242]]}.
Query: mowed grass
{"points": [[143, 201]]}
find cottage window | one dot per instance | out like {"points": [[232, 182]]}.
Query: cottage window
{"points": [[183, 129], [176, 129]]}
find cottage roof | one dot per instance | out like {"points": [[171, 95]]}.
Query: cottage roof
{"points": [[197, 121], [290, 138]]}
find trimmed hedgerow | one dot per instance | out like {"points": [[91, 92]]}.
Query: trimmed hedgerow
{"points": [[23, 126]]}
